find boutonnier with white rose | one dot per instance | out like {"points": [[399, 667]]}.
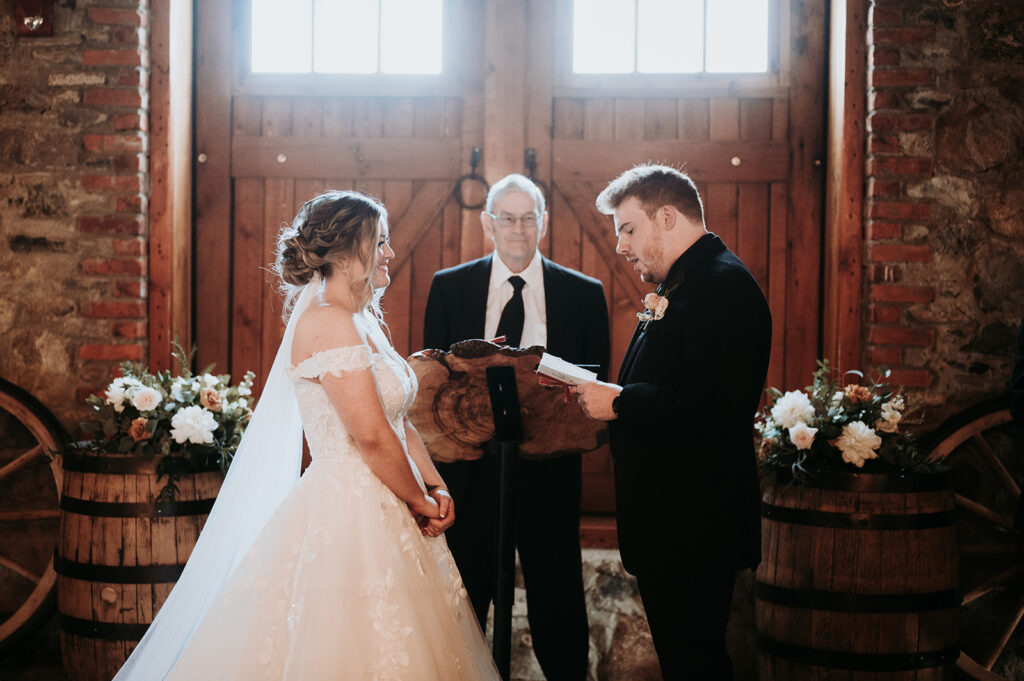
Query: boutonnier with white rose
{"points": [[832, 426], [189, 421]]}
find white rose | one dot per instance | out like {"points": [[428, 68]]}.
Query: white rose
{"points": [[193, 424], [120, 390], [146, 399], [891, 415], [210, 381], [792, 408], [802, 435], [244, 390], [176, 387], [858, 443]]}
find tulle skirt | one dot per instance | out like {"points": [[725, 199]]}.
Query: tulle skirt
{"points": [[340, 585]]}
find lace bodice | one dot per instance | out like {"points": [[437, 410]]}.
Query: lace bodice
{"points": [[326, 434]]}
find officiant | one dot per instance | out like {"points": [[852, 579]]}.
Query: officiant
{"points": [[517, 293]]}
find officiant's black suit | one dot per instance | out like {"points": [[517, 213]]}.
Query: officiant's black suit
{"points": [[686, 489], [547, 493]]}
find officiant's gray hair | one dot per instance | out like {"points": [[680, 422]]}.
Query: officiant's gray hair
{"points": [[515, 183]]}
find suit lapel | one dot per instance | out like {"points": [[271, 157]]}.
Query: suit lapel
{"points": [[555, 308], [477, 281], [634, 345]]}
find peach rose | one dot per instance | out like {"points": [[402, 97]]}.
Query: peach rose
{"points": [[210, 399], [858, 393], [138, 429]]}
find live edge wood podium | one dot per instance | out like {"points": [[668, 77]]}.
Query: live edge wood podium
{"points": [[482, 399]]}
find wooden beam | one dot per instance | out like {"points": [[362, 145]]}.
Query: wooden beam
{"points": [[600, 234], [396, 158], [415, 222], [844, 190], [170, 168], [504, 88], [703, 161], [213, 180]]}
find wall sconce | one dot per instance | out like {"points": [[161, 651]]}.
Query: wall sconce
{"points": [[34, 17]]}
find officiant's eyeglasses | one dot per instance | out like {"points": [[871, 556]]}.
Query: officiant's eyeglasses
{"points": [[506, 221]]}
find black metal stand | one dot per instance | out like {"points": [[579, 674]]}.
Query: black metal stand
{"points": [[508, 433]]}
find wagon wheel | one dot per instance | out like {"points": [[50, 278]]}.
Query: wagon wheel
{"points": [[986, 451], [29, 496]]}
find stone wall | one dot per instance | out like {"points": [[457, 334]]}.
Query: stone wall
{"points": [[944, 287], [73, 183]]}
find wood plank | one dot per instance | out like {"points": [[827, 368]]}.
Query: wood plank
{"points": [[247, 299], [661, 119], [408, 229], [778, 268], [721, 212], [704, 161], [430, 117], [752, 237], [598, 229], [213, 180], [277, 117], [307, 117], [471, 241], [278, 203], [568, 119], [505, 111], [630, 118], [425, 260], [397, 300], [566, 234], [755, 119], [451, 232], [724, 123], [398, 117], [693, 119], [367, 117], [170, 168], [336, 119], [405, 158], [599, 119], [844, 203], [807, 145]]}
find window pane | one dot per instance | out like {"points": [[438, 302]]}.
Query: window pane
{"points": [[604, 39], [281, 36], [411, 36], [345, 36], [737, 36], [670, 36]]}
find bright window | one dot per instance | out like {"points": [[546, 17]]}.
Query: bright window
{"points": [[670, 36], [346, 36]]}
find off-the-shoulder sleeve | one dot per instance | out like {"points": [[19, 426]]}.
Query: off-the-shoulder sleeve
{"points": [[334, 361]]}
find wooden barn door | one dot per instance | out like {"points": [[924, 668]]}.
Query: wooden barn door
{"points": [[267, 144], [753, 145]]}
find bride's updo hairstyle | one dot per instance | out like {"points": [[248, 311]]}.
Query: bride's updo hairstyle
{"points": [[332, 228]]}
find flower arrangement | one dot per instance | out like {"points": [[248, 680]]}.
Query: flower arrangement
{"points": [[829, 426], [190, 421]]}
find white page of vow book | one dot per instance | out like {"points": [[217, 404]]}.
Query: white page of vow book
{"points": [[558, 369]]}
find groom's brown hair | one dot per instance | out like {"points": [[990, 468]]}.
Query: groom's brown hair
{"points": [[654, 186]]}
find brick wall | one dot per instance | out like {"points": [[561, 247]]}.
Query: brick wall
{"points": [[73, 176], [944, 284]]}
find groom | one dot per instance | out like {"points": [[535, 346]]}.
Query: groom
{"points": [[681, 419], [517, 293]]}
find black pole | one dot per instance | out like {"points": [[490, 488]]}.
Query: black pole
{"points": [[505, 588], [508, 431]]}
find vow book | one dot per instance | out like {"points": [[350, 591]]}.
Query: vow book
{"points": [[556, 371]]}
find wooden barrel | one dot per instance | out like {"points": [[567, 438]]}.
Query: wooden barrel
{"points": [[859, 576], [119, 553]]}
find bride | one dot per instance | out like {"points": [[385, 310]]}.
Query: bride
{"points": [[341, 574]]}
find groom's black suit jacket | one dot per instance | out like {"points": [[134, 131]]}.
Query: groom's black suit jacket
{"points": [[686, 484]]}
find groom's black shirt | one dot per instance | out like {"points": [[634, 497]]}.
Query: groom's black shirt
{"points": [[685, 475]]}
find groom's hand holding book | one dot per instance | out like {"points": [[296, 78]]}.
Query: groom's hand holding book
{"points": [[594, 396]]}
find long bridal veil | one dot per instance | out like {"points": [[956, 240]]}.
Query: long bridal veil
{"points": [[265, 467]]}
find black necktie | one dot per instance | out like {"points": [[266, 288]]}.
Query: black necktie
{"points": [[512, 317]]}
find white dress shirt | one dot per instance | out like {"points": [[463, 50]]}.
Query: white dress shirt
{"points": [[499, 292]]}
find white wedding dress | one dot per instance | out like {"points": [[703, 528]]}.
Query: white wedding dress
{"points": [[340, 584]]}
